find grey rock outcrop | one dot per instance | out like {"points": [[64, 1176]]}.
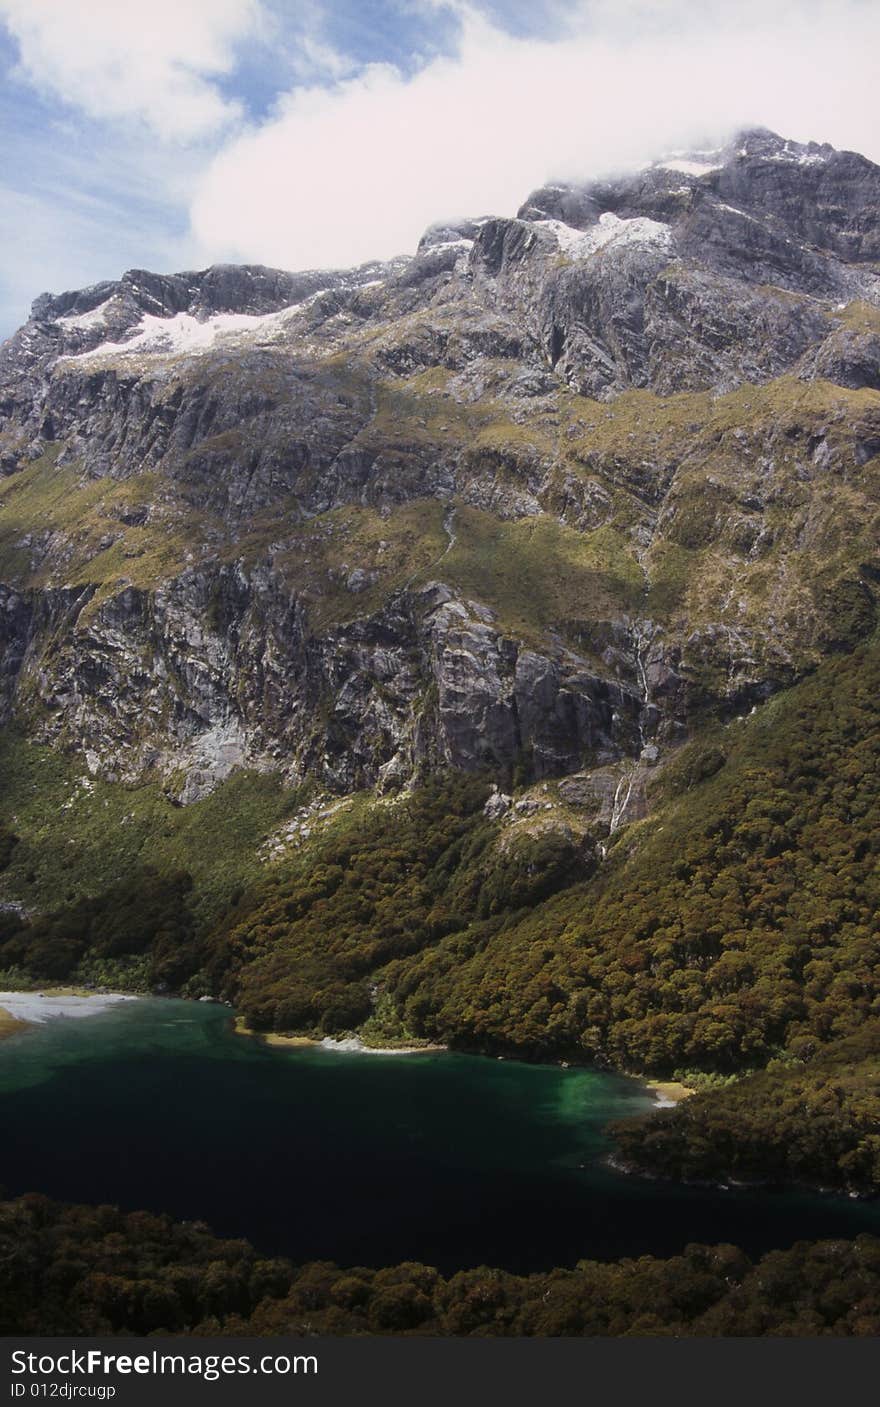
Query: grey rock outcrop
{"points": [[246, 450]]}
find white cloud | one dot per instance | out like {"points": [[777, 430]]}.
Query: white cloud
{"points": [[153, 62], [357, 170]]}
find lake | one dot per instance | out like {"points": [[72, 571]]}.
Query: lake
{"points": [[449, 1159]]}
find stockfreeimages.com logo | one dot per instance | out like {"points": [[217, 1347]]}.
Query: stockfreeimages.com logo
{"points": [[95, 1362]]}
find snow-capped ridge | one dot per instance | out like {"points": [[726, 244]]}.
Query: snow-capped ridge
{"points": [[609, 230], [687, 166], [184, 334], [84, 321], [767, 145]]}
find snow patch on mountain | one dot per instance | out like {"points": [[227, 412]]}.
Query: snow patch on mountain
{"points": [[792, 153], [689, 168], [93, 318], [186, 335], [463, 244], [609, 231]]}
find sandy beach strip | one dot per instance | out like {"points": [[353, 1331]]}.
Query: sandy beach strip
{"points": [[10, 1025], [668, 1093], [350, 1045]]}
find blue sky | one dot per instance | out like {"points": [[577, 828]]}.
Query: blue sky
{"points": [[332, 131]]}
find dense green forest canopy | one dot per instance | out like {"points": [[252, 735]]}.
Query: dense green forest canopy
{"points": [[733, 930], [96, 1270], [816, 1122], [737, 922]]}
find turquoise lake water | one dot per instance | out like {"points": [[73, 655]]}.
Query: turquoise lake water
{"points": [[450, 1159]]}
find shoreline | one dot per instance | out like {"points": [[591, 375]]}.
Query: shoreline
{"points": [[667, 1093], [351, 1045], [11, 1025], [35, 1008], [22, 1010], [241, 1028]]}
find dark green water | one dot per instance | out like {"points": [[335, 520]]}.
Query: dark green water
{"points": [[448, 1159]]}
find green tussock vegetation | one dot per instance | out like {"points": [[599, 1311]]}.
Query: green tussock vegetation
{"points": [[858, 316], [535, 572], [75, 835], [718, 488], [104, 540], [389, 552]]}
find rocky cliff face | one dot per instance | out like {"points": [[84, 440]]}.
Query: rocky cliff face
{"points": [[535, 499]]}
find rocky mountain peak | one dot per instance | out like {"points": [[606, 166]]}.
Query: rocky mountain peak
{"points": [[827, 197], [761, 142], [126, 309], [621, 436], [233, 288]]}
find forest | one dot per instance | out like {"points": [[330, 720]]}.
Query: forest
{"points": [[736, 923], [814, 1123], [99, 1271], [733, 931]]}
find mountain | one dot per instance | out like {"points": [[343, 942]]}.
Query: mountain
{"points": [[537, 498], [477, 646]]}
